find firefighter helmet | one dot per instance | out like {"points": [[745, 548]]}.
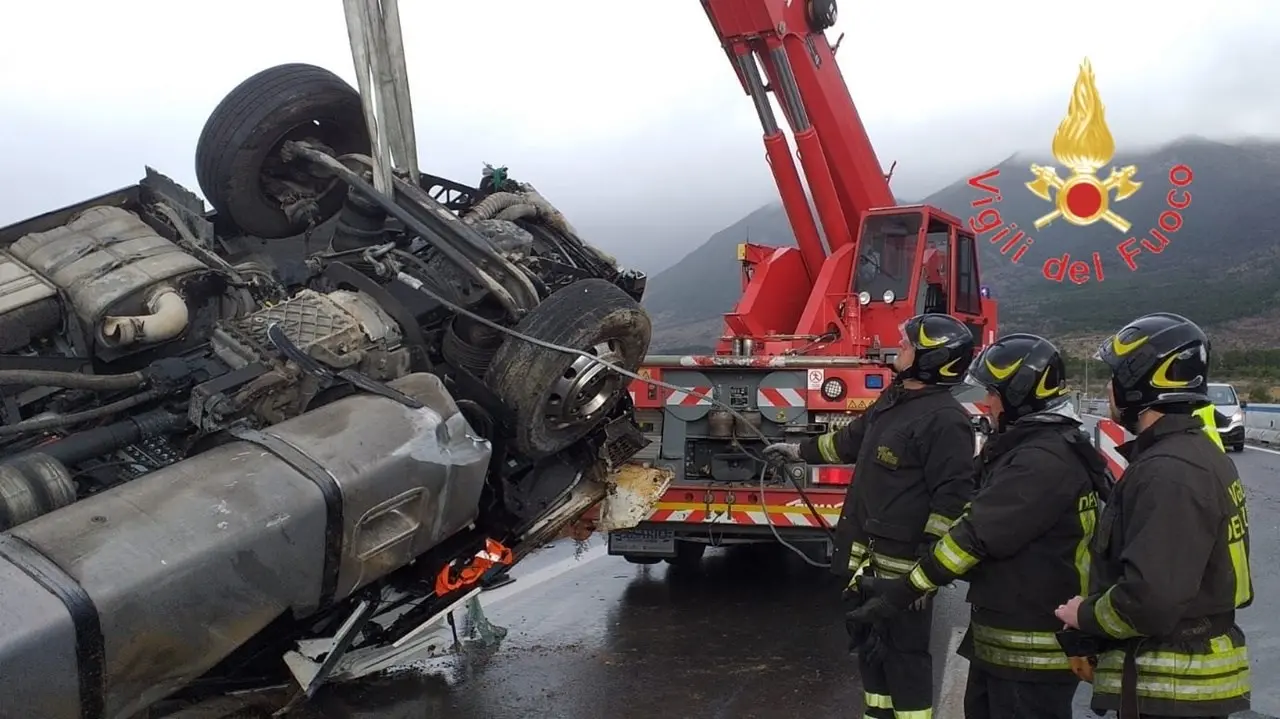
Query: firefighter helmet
{"points": [[943, 349], [1025, 371], [1158, 360]]}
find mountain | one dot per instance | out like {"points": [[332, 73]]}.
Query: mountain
{"points": [[1220, 265]]}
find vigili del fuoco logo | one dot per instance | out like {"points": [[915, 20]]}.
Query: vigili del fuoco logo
{"points": [[1083, 146]]}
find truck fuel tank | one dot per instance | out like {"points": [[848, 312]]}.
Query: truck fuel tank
{"points": [[116, 601]]}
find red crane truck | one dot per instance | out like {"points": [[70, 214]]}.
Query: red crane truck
{"points": [[808, 345]]}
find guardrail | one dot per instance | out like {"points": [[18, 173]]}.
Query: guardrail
{"points": [[1262, 416]]}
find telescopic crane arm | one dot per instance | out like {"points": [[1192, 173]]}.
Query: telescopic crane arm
{"points": [[785, 38]]}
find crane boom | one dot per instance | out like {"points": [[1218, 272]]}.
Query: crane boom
{"points": [[814, 299], [786, 38]]}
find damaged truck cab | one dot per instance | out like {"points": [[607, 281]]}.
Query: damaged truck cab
{"points": [[281, 441]]}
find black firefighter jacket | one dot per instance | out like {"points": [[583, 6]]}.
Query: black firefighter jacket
{"points": [[915, 473], [1171, 566], [1023, 545]]}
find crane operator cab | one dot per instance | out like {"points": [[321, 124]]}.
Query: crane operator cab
{"points": [[918, 259]]}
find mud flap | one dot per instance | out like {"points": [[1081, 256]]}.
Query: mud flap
{"points": [[632, 495]]}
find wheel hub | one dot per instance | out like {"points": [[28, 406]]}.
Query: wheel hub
{"points": [[585, 388]]}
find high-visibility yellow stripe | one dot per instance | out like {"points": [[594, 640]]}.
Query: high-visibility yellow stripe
{"points": [[1037, 651], [1240, 567], [858, 561], [920, 580], [1015, 639], [917, 714], [950, 555], [827, 448], [1178, 664], [892, 565], [1110, 620], [1210, 422], [938, 525], [1177, 688], [877, 701], [1084, 558]]}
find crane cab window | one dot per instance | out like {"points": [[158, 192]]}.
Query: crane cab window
{"points": [[887, 255], [935, 269], [968, 291]]}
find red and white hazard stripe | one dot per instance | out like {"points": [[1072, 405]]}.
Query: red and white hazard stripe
{"points": [[690, 397], [774, 397], [790, 517], [1110, 436]]}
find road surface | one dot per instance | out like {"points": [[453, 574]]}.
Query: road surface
{"points": [[755, 635]]}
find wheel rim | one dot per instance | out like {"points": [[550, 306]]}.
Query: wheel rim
{"points": [[584, 389], [296, 178]]}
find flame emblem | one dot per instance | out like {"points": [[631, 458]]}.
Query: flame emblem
{"points": [[1083, 144]]}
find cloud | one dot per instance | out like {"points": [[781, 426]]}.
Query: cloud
{"points": [[624, 113]]}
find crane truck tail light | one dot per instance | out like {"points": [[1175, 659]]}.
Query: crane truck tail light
{"points": [[833, 389], [831, 475]]}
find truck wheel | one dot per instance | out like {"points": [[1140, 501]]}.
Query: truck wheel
{"points": [[636, 559], [688, 555], [1239, 447], [238, 162], [557, 397]]}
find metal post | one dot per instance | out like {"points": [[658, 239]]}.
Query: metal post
{"points": [[377, 51]]}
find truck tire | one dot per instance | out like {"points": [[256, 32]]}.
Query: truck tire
{"points": [[639, 559], [557, 397], [238, 154], [688, 555]]}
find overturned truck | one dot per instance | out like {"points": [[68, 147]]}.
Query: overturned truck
{"points": [[315, 414]]}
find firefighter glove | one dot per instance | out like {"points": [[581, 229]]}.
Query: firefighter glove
{"points": [[883, 598], [874, 649], [782, 453]]}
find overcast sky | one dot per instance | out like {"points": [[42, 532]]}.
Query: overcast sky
{"points": [[625, 113]]}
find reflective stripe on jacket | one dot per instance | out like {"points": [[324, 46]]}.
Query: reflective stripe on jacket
{"points": [[1208, 416]]}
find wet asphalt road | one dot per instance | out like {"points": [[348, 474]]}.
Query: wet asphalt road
{"points": [[756, 634]]}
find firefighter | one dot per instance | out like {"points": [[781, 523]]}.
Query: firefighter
{"points": [[1023, 543], [914, 453], [1171, 555]]}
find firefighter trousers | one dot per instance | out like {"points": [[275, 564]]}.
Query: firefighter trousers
{"points": [[897, 675], [990, 697]]}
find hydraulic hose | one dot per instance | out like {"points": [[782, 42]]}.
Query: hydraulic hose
{"points": [[71, 380], [102, 440], [66, 420]]}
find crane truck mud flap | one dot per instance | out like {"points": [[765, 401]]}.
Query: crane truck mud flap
{"points": [[633, 495]]}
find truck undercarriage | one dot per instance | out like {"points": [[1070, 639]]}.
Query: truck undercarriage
{"points": [[288, 436]]}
